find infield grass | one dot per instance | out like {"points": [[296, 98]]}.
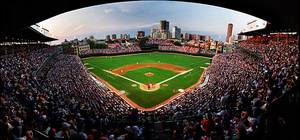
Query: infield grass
{"points": [[159, 75]]}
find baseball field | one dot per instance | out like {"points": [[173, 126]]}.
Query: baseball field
{"points": [[147, 79]]}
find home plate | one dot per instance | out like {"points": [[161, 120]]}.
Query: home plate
{"points": [[180, 90]]}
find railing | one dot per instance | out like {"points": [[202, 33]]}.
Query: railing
{"points": [[39, 135], [35, 73]]}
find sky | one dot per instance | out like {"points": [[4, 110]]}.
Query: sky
{"points": [[129, 17]]}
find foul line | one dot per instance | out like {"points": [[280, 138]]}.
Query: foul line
{"points": [[174, 76], [133, 104], [142, 83], [123, 77]]}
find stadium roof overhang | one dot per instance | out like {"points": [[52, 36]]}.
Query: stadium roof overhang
{"points": [[27, 34], [265, 31], [18, 14]]}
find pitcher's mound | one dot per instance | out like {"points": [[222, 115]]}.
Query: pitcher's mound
{"points": [[149, 74]]}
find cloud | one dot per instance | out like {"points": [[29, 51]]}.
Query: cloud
{"points": [[148, 25], [121, 10], [78, 28], [109, 10], [124, 10]]}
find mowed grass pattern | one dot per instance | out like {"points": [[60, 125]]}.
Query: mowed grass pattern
{"points": [[143, 98]]}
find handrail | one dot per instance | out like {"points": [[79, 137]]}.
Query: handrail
{"points": [[35, 73], [40, 133]]}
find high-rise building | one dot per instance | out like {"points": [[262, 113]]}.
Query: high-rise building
{"points": [[140, 34], [126, 36], [113, 36], [165, 35], [156, 35], [164, 26], [203, 37], [107, 38], [229, 32], [231, 39], [186, 36], [153, 33], [176, 32]]}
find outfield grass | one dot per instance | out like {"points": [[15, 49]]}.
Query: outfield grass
{"points": [[143, 98]]}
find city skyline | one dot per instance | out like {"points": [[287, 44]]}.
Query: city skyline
{"points": [[130, 17]]}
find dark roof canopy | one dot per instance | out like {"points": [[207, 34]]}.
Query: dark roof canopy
{"points": [[27, 34], [17, 14]]}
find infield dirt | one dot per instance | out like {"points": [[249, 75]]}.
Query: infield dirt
{"points": [[124, 69]]}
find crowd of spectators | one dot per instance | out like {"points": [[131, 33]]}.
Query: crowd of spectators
{"points": [[19, 88], [280, 57], [217, 101], [163, 42], [110, 51], [9, 48], [182, 49], [244, 97], [168, 45], [248, 93], [62, 102], [77, 100]]}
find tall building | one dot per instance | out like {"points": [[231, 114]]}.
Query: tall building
{"points": [[113, 36], [140, 34], [153, 33], [231, 39], [107, 38], [165, 35], [203, 37], [164, 26], [229, 32], [156, 35], [186, 36], [176, 32], [126, 36]]}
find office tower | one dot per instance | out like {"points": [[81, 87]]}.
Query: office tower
{"points": [[229, 32], [164, 26], [113, 36], [140, 34], [176, 32]]}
